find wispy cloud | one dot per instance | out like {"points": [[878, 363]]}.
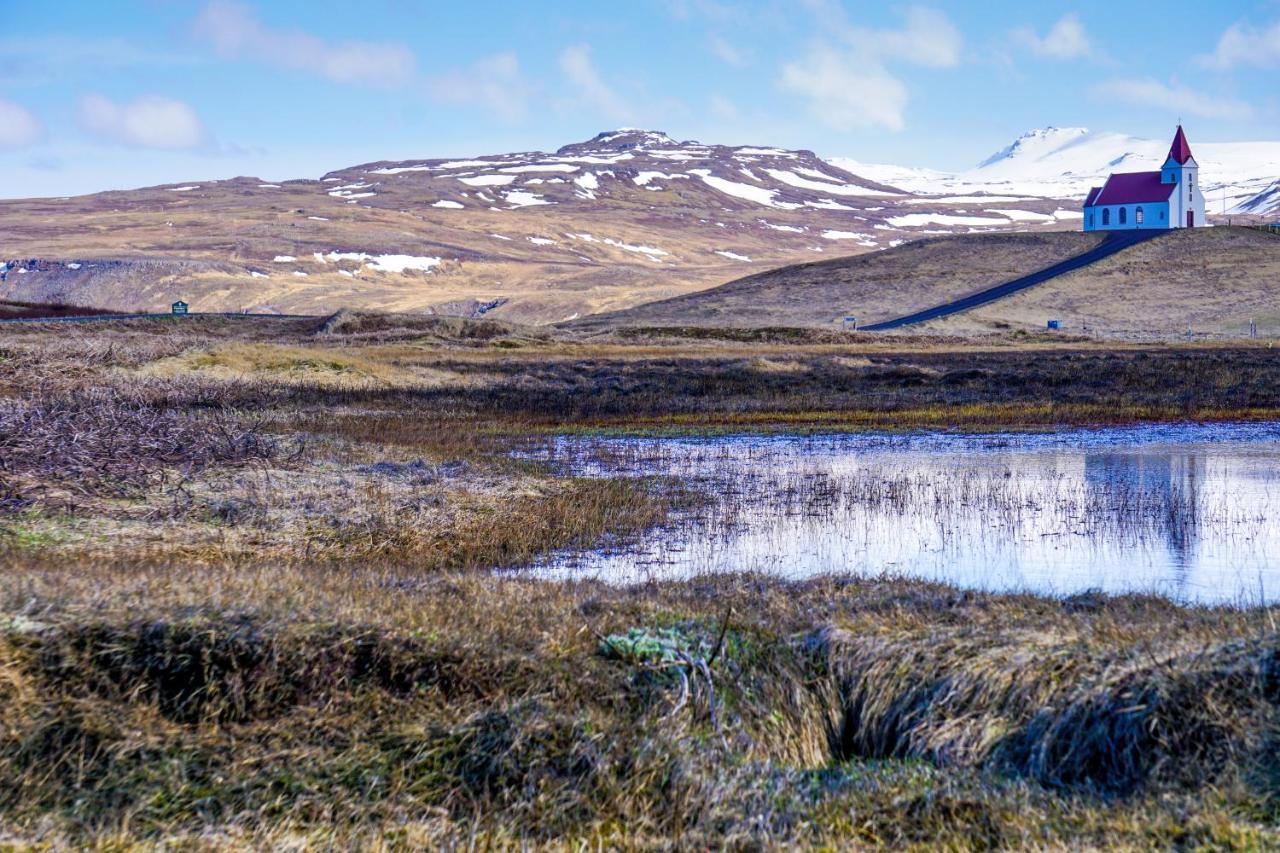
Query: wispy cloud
{"points": [[846, 93], [19, 127], [726, 52], [1242, 44], [36, 59], [845, 78], [234, 30], [926, 38], [151, 121], [578, 67], [1066, 39], [1173, 98], [495, 83]]}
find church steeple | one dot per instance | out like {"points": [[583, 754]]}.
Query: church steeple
{"points": [[1180, 151]]}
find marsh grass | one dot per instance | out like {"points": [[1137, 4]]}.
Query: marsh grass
{"points": [[222, 644]]}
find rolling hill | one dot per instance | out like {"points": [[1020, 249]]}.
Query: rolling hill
{"points": [[1214, 279]]}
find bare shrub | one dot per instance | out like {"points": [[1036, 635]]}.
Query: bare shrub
{"points": [[105, 441]]}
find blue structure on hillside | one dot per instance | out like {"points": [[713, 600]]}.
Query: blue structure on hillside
{"points": [[1169, 198]]}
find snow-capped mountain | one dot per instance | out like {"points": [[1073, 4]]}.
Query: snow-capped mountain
{"points": [[617, 165], [1066, 162]]}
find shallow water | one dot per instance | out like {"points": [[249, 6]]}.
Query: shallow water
{"points": [[1190, 511]]}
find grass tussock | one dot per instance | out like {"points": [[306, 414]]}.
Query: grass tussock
{"points": [[754, 727]]}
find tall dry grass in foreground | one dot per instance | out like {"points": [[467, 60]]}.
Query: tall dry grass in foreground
{"points": [[256, 609]]}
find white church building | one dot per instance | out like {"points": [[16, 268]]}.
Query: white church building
{"points": [[1169, 198]]}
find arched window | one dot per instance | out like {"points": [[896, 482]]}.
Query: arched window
{"points": [[1124, 216], [1137, 216], [1106, 216]]}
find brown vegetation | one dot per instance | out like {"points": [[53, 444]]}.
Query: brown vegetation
{"points": [[1212, 280], [258, 608]]}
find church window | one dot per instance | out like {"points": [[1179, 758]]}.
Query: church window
{"points": [[1137, 216], [1106, 216], [1124, 216], [1090, 220]]}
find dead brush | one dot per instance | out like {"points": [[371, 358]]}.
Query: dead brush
{"points": [[108, 442], [1057, 711]]}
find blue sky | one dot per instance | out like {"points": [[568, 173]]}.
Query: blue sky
{"points": [[99, 95]]}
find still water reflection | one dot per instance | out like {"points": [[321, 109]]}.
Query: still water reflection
{"points": [[1187, 511]]}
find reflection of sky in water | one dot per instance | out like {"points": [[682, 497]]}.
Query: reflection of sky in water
{"points": [[1189, 511]]}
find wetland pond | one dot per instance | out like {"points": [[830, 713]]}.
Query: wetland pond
{"points": [[1189, 511]]}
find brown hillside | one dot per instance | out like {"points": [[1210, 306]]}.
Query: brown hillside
{"points": [[872, 287], [1211, 279]]}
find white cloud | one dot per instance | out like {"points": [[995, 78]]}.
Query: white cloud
{"points": [[845, 92], [929, 39], [495, 83], [850, 86], [577, 66], [1173, 98], [18, 126], [234, 30], [1066, 39], [1245, 45], [926, 38], [726, 52], [151, 121]]}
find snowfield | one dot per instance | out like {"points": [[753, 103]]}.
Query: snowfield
{"points": [[382, 263], [794, 180], [759, 195], [1065, 162], [916, 220], [524, 199], [488, 180]]}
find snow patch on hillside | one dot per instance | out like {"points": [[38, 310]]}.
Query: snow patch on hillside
{"points": [[916, 220], [488, 180], [759, 195]]}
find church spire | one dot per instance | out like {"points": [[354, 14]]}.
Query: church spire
{"points": [[1180, 151]]}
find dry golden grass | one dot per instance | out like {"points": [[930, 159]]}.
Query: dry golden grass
{"points": [[309, 366], [1213, 279], [873, 287]]}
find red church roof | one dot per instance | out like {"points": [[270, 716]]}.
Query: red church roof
{"points": [[1133, 188], [1093, 195], [1180, 151]]}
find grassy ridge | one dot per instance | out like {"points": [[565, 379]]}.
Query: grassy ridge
{"points": [[248, 602]]}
